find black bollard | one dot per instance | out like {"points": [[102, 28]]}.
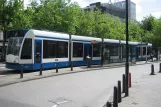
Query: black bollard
{"points": [[40, 69], [119, 91], [71, 66], [115, 97], [108, 104], [88, 63], [123, 83], [21, 74], [152, 69], [56, 67], [160, 68]]}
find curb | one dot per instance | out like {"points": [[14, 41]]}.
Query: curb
{"points": [[41, 77], [72, 72]]}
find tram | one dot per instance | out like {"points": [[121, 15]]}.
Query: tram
{"points": [[36, 48]]}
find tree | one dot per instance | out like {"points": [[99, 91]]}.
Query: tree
{"points": [[22, 19], [135, 32], [156, 40], [148, 23], [6, 17]]}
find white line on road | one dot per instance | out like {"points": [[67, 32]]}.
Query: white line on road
{"points": [[61, 102], [54, 105]]}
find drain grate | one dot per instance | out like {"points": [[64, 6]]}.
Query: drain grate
{"points": [[60, 100]]}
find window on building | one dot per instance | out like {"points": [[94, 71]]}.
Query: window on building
{"points": [[27, 49], [77, 49], [96, 50]]}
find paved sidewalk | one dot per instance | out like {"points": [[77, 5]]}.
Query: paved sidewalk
{"points": [[145, 92], [12, 78]]}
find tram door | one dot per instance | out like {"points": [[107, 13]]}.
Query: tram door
{"points": [[87, 51], [38, 53]]}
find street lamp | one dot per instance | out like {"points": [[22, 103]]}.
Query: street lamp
{"points": [[127, 53], [3, 26]]}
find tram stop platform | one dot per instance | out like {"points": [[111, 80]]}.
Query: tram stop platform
{"points": [[8, 76]]}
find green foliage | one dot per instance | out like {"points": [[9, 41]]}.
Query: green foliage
{"points": [[64, 16], [135, 32], [157, 34], [148, 23]]}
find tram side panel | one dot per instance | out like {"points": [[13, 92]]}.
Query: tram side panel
{"points": [[55, 52]]}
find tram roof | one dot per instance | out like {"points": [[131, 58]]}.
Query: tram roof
{"points": [[58, 35], [85, 38], [49, 34]]}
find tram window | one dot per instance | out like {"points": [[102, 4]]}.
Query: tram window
{"points": [[55, 49], [27, 49], [148, 51], [62, 49], [77, 49], [21, 33], [144, 50], [132, 50], [96, 50], [139, 51], [114, 50], [49, 49], [124, 50]]}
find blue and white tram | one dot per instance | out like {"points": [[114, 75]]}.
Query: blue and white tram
{"points": [[48, 48]]}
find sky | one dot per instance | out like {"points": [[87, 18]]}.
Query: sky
{"points": [[143, 7]]}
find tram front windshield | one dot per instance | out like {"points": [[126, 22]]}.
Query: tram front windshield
{"points": [[14, 45]]}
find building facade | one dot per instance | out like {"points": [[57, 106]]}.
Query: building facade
{"points": [[131, 8], [117, 9]]}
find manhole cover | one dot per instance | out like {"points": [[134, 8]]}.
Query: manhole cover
{"points": [[60, 100]]}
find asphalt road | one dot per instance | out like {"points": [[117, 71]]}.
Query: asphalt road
{"points": [[86, 89]]}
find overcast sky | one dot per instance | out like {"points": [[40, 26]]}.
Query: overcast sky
{"points": [[143, 7]]}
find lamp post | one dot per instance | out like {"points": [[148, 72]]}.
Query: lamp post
{"points": [[146, 50], [127, 53], [3, 25]]}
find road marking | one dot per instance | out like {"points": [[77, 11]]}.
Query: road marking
{"points": [[54, 105], [61, 102]]}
